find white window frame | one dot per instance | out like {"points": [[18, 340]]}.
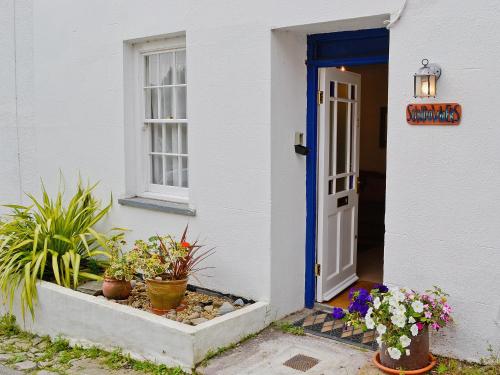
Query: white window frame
{"points": [[143, 166]]}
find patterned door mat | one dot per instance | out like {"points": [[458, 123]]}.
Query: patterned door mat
{"points": [[323, 324]]}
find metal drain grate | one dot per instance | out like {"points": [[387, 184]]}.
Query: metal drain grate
{"points": [[301, 362]]}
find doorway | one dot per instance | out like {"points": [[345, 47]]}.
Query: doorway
{"points": [[347, 112]]}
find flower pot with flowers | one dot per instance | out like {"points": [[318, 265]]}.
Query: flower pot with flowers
{"points": [[402, 318], [167, 265], [120, 271]]}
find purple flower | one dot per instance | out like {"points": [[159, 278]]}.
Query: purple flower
{"points": [[359, 301], [381, 288], [338, 313]]}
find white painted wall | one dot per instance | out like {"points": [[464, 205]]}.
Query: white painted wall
{"points": [[246, 99]]}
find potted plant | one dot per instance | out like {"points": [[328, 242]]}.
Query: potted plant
{"points": [[401, 318], [116, 284], [166, 265]]}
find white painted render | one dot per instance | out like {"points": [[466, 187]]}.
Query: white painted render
{"points": [[62, 107]]}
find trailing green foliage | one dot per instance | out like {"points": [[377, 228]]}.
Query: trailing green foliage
{"points": [[51, 241]]}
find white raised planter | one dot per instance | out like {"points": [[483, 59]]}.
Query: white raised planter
{"points": [[87, 320]]}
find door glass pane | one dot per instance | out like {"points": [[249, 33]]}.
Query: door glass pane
{"points": [[180, 96], [166, 103], [341, 137], [156, 138], [340, 184], [166, 68], [172, 170], [156, 169], [151, 103], [180, 67], [352, 107], [342, 90], [330, 187], [332, 89], [353, 92], [184, 171], [151, 70], [184, 146], [331, 139]]}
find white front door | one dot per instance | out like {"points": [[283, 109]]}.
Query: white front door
{"points": [[338, 161]]}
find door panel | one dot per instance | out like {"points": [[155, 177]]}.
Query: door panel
{"points": [[337, 175]]}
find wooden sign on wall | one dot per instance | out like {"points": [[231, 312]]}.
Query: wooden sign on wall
{"points": [[434, 114]]}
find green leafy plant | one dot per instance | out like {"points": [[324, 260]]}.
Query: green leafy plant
{"points": [[49, 240], [121, 266], [163, 256]]}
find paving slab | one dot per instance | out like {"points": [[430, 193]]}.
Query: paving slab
{"points": [[8, 371], [267, 353]]}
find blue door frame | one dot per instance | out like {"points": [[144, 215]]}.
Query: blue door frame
{"points": [[346, 48]]}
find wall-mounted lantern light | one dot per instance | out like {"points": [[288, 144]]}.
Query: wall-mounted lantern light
{"points": [[425, 79]]}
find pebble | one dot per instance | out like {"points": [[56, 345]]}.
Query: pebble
{"points": [[171, 316], [46, 363], [198, 309], [225, 308], [209, 308], [195, 315], [239, 302], [45, 372], [25, 366], [4, 357], [198, 321]]}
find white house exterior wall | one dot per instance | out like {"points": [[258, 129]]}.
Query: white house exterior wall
{"points": [[62, 63]]}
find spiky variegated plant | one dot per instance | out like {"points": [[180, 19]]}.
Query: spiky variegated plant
{"points": [[51, 241]]}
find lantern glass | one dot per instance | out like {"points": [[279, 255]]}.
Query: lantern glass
{"points": [[425, 85]]}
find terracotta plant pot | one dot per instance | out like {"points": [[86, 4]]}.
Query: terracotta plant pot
{"points": [[116, 289], [419, 354], [165, 294]]}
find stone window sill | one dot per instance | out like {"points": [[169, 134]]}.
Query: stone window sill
{"points": [[158, 205]]}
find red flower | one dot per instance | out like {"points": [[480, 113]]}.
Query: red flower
{"points": [[185, 244], [420, 326]]}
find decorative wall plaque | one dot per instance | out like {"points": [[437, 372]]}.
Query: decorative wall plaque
{"points": [[434, 114]]}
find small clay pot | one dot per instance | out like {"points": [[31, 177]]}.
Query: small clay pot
{"points": [[419, 353], [116, 289], [165, 295]]}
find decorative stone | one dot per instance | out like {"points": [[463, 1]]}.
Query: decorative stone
{"points": [[195, 315], [25, 366], [209, 308], [198, 308], [225, 308], [198, 321], [46, 363], [4, 357], [158, 278], [239, 302], [93, 288], [45, 372]]}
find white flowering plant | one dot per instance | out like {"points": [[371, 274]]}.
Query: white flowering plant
{"points": [[397, 314]]}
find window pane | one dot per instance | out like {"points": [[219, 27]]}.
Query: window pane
{"points": [[151, 70], [332, 89], [180, 67], [171, 138], [166, 103], [166, 68], [151, 103], [184, 145], [342, 90], [180, 97], [157, 169], [341, 137], [172, 170], [184, 171], [156, 138], [353, 92]]}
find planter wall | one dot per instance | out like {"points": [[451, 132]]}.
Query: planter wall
{"points": [[87, 320]]}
